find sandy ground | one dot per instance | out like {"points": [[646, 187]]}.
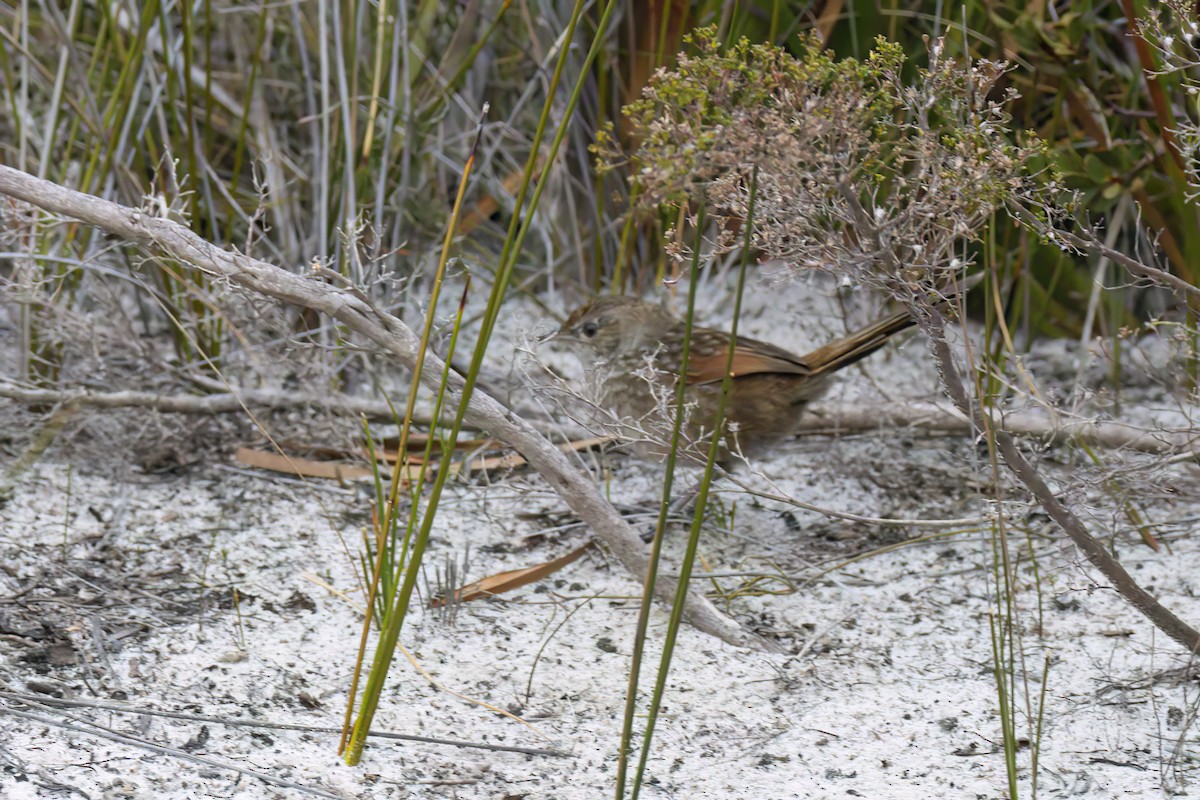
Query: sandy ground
{"points": [[232, 595]]}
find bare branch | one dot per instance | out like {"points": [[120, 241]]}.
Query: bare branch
{"points": [[1071, 524], [1091, 244], [387, 332], [218, 403], [1048, 427]]}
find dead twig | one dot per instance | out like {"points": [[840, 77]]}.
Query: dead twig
{"points": [[217, 403], [395, 338], [1047, 426], [933, 323], [239, 722], [90, 729]]}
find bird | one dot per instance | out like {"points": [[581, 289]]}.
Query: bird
{"points": [[632, 351]]}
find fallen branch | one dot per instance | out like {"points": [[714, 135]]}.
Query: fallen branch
{"points": [[351, 309], [95, 730], [1088, 244], [1046, 427], [932, 322], [260, 724], [218, 403]]}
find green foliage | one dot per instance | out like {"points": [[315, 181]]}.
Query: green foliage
{"points": [[290, 131], [865, 166]]}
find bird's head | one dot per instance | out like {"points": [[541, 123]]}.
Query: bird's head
{"points": [[616, 325]]}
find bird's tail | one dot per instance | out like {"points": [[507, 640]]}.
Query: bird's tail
{"points": [[845, 351]]}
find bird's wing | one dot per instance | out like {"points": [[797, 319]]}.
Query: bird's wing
{"points": [[750, 357]]}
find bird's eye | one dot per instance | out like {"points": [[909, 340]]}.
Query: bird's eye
{"points": [[590, 328]]}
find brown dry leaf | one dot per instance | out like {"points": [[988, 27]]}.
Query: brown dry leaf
{"points": [[644, 22], [418, 439], [511, 460], [507, 581], [319, 452], [828, 18], [1150, 540], [506, 461], [1090, 114], [328, 470], [580, 445], [514, 460], [489, 205], [304, 467]]}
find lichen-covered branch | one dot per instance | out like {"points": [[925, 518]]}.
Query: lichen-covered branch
{"points": [[387, 332], [933, 324]]}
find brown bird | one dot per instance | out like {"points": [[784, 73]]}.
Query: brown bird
{"points": [[633, 351]]}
